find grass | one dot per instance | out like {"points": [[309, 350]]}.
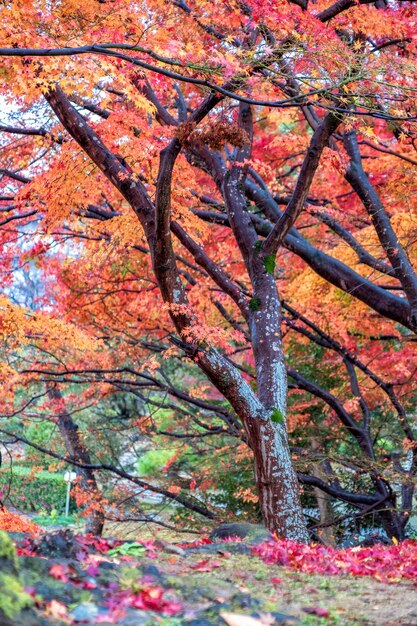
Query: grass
{"points": [[55, 520], [349, 600]]}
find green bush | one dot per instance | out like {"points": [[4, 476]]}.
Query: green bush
{"points": [[152, 462], [40, 432], [44, 491], [54, 520]]}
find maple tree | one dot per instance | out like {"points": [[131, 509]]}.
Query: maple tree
{"points": [[162, 162]]}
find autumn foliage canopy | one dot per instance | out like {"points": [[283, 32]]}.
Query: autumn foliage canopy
{"points": [[205, 205]]}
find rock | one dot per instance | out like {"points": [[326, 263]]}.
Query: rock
{"points": [[152, 572], [35, 567], [135, 617], [19, 538], [29, 617], [35, 574], [108, 565], [50, 590], [15, 604], [253, 534], [412, 527], [60, 544], [215, 589], [215, 548], [8, 557], [169, 547], [86, 613], [107, 573], [196, 587]]}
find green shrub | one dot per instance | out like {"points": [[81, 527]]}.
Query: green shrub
{"points": [[44, 491], [40, 432], [152, 462], [54, 520]]}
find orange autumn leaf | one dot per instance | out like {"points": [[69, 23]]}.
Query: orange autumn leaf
{"points": [[13, 522]]}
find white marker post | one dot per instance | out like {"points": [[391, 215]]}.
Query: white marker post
{"points": [[69, 477]]}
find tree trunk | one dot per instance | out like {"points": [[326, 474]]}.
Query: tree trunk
{"points": [[322, 470], [77, 450], [326, 532], [276, 480], [392, 522]]}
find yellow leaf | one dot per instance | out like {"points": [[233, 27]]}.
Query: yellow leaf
{"points": [[368, 131]]}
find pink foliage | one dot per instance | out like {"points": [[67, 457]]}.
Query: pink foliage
{"points": [[148, 598], [385, 563]]}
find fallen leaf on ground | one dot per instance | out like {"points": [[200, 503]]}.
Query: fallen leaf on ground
{"points": [[56, 609], [59, 572], [316, 610], [206, 565]]}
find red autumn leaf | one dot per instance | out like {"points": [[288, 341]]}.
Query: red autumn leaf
{"points": [[206, 565], [60, 572], [152, 599], [384, 563], [315, 610]]}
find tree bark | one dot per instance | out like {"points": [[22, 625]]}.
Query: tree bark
{"points": [[77, 450], [326, 533], [276, 480]]}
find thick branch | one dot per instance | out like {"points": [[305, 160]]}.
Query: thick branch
{"points": [[331, 269], [360, 182], [363, 255], [311, 162]]}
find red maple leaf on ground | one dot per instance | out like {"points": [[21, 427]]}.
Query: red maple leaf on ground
{"points": [[384, 563], [60, 572]]}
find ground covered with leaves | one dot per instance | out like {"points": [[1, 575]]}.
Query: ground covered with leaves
{"points": [[59, 578]]}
